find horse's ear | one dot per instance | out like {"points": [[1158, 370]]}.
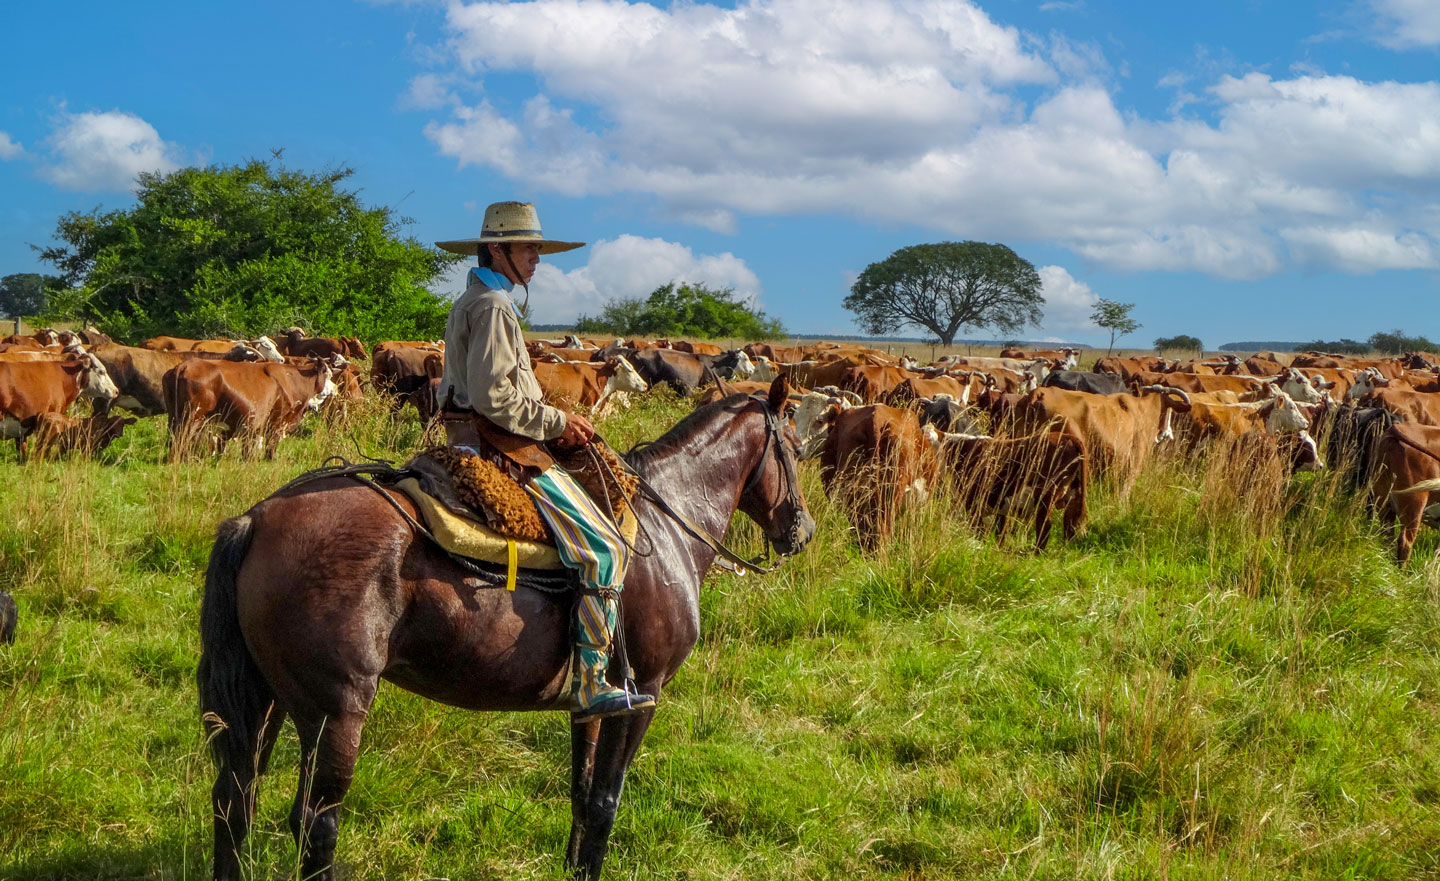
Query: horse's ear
{"points": [[779, 394]]}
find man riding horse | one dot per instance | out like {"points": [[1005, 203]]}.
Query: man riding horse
{"points": [[494, 407]]}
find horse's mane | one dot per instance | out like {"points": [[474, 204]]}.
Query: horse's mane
{"points": [[644, 452]]}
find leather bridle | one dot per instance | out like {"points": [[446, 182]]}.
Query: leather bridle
{"points": [[773, 438]]}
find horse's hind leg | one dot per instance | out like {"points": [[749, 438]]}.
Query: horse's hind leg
{"points": [[233, 795], [327, 765]]}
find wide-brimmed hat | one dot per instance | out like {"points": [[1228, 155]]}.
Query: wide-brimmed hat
{"points": [[509, 222]]}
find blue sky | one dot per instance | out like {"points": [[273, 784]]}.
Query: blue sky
{"points": [[1239, 169]]}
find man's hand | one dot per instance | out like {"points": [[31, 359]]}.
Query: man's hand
{"points": [[578, 431]]}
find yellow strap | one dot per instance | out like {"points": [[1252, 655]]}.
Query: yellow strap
{"points": [[512, 564]]}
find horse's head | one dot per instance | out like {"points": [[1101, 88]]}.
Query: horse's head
{"points": [[771, 496]]}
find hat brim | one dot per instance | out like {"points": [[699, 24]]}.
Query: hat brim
{"points": [[471, 247]]}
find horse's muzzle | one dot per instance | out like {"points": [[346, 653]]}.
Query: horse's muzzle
{"points": [[794, 541]]}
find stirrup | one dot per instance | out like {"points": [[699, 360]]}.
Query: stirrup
{"points": [[617, 703]]}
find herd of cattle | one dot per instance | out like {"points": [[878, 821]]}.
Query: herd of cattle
{"points": [[1020, 435]]}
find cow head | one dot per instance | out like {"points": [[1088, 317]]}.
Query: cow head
{"points": [[946, 414], [46, 337], [268, 350], [1366, 382], [1282, 416], [813, 418], [327, 386], [244, 352], [354, 348], [95, 381], [626, 378], [1293, 383], [764, 369]]}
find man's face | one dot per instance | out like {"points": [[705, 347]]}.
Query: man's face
{"points": [[526, 256]]}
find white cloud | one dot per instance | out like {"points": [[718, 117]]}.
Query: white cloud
{"points": [[105, 151], [627, 266], [911, 111], [1408, 24], [1068, 302], [10, 149], [428, 91]]}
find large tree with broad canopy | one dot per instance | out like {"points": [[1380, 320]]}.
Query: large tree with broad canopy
{"points": [[945, 287]]}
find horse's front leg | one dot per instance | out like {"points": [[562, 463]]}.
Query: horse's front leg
{"points": [[583, 739], [620, 739]]}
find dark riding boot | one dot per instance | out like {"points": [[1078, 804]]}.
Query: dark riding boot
{"points": [[596, 698]]}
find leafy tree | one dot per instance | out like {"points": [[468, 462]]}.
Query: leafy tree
{"points": [[243, 250], [684, 310], [1182, 343], [1396, 342], [945, 287], [1114, 317], [25, 293]]}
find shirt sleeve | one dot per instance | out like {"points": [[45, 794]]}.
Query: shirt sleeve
{"points": [[490, 365]]}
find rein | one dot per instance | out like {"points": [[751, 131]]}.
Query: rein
{"points": [[698, 532]]}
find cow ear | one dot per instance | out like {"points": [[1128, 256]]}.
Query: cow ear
{"points": [[779, 394]]}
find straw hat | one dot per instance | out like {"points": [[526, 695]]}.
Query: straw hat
{"points": [[509, 222]]}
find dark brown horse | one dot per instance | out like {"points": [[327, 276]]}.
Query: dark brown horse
{"points": [[316, 594]]}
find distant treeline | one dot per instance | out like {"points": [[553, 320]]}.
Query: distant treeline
{"points": [[842, 337], [1395, 342]]}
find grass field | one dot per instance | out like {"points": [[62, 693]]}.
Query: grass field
{"points": [[1204, 685]]}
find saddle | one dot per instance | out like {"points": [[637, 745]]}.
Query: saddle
{"points": [[478, 510]]}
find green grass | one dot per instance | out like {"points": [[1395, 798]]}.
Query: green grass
{"points": [[1208, 684]]}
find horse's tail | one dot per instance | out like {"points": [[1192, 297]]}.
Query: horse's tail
{"points": [[233, 692]]}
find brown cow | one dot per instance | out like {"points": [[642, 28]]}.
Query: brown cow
{"points": [[399, 370], [696, 348], [570, 384], [913, 388], [871, 382], [1407, 476], [1119, 430], [1126, 368], [1249, 388], [29, 389], [265, 398], [1421, 408], [1030, 476], [1257, 366], [138, 375], [184, 344], [874, 458], [297, 345], [60, 433]]}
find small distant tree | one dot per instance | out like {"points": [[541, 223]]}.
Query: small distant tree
{"points": [[945, 287], [25, 293], [683, 310], [1397, 342], [1182, 343], [1114, 317]]}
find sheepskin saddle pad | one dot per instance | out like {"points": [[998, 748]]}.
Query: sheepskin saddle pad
{"points": [[474, 487]]}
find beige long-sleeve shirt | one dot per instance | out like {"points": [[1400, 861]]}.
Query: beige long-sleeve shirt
{"points": [[488, 367]]}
